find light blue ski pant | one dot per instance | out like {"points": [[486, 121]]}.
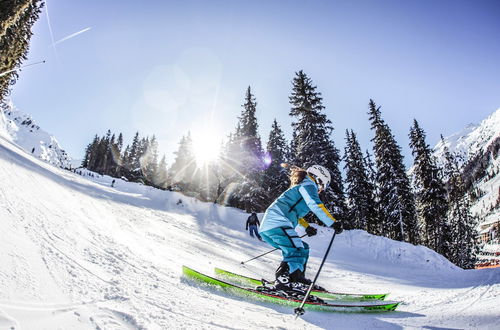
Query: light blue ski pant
{"points": [[295, 252]]}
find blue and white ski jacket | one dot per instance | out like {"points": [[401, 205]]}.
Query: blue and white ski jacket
{"points": [[294, 204]]}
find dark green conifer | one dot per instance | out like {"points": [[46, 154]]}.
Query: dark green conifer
{"points": [[430, 192], [396, 201], [312, 143]]}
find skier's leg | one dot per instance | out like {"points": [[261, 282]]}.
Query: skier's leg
{"points": [[267, 237], [251, 229], [306, 255], [290, 244], [256, 232]]}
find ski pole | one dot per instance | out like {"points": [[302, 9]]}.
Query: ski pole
{"points": [[244, 262], [300, 310], [22, 66]]}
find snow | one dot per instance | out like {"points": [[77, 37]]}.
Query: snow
{"points": [[76, 253], [20, 128], [472, 138]]}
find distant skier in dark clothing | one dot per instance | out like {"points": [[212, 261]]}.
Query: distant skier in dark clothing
{"points": [[252, 223]]}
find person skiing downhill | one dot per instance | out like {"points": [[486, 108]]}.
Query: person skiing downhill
{"points": [[285, 213], [252, 223]]}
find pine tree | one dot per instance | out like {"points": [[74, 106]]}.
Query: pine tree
{"points": [[89, 153], [133, 159], [106, 158], [126, 162], [311, 139], [16, 20], [119, 156], [115, 156], [397, 205], [360, 191], [119, 142], [161, 177], [149, 160], [250, 140], [430, 192], [373, 225], [232, 153], [183, 169], [276, 179], [463, 248], [244, 160], [93, 154]]}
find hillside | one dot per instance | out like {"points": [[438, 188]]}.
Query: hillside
{"points": [[20, 128], [79, 254], [479, 145]]}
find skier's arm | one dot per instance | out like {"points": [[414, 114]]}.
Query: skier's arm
{"points": [[310, 230], [312, 200], [246, 228]]}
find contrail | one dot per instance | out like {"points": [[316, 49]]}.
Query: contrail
{"points": [[50, 26], [71, 36]]}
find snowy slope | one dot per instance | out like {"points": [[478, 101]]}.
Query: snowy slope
{"points": [[78, 254], [20, 128]]}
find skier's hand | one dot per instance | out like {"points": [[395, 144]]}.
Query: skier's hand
{"points": [[337, 225], [311, 231]]}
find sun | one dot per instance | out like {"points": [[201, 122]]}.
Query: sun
{"points": [[206, 147]]}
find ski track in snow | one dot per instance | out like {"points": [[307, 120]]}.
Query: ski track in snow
{"points": [[78, 254]]}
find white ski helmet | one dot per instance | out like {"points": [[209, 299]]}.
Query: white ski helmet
{"points": [[321, 174]]}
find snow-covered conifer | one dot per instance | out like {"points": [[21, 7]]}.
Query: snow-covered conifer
{"points": [[276, 179], [396, 201], [430, 192], [360, 190], [16, 20], [312, 143], [462, 234], [183, 170]]}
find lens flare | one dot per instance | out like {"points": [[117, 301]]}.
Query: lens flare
{"points": [[267, 160]]}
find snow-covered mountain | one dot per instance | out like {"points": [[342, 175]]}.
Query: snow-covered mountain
{"points": [[77, 253], [21, 129], [473, 138], [480, 145]]}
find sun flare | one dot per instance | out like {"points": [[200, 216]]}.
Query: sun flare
{"points": [[206, 148]]}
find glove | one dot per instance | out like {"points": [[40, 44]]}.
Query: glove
{"points": [[337, 225], [311, 231]]}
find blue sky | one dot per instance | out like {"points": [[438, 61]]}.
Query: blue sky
{"points": [[166, 67]]}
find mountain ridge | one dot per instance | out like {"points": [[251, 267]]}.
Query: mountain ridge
{"points": [[20, 128]]}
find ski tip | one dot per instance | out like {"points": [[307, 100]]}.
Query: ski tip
{"points": [[392, 307], [381, 296]]}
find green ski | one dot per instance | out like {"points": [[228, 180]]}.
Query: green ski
{"points": [[250, 292], [242, 279]]}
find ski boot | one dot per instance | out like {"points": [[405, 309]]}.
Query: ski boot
{"points": [[291, 285], [298, 276]]}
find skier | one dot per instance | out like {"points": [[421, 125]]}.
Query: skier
{"points": [[283, 215], [252, 223]]}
